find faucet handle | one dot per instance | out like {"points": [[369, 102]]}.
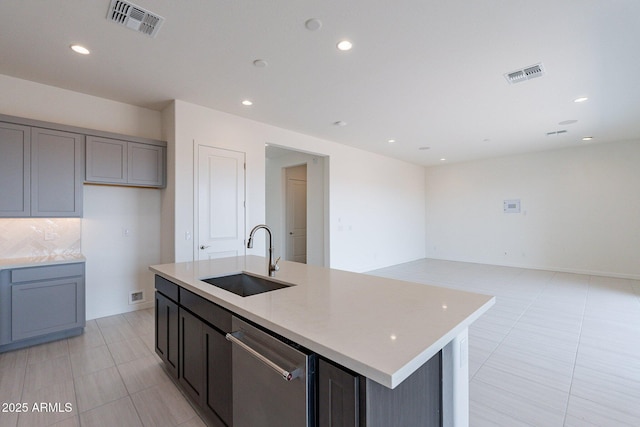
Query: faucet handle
{"points": [[276, 267]]}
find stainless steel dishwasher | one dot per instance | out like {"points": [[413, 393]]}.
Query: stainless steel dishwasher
{"points": [[273, 380]]}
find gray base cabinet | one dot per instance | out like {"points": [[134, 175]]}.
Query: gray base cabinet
{"points": [[40, 304]]}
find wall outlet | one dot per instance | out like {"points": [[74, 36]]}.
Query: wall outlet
{"points": [[136, 297]]}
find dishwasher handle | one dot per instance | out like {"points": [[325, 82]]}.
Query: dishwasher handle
{"points": [[234, 337]]}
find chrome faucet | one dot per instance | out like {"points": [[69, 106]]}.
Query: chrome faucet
{"points": [[273, 265]]}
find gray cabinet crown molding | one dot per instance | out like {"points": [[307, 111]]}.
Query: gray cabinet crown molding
{"points": [[80, 130]]}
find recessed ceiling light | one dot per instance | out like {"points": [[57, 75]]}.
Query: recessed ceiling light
{"points": [[443, 159], [587, 138], [581, 99], [344, 45], [313, 24], [80, 49], [391, 141], [260, 63], [339, 123], [247, 103]]}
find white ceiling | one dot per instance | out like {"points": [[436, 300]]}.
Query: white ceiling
{"points": [[427, 73]]}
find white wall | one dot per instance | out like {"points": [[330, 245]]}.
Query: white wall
{"points": [[115, 266], [376, 204], [580, 210], [316, 212]]}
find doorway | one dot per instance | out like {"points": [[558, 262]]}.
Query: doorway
{"points": [[279, 160], [296, 213]]}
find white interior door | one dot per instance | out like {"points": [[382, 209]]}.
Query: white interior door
{"points": [[296, 214], [221, 203]]}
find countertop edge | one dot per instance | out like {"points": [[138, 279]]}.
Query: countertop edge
{"points": [[9, 263]]}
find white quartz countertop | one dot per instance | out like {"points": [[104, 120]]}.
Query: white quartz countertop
{"points": [[381, 328], [37, 261]]}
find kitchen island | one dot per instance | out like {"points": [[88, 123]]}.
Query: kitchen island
{"points": [[382, 329]]}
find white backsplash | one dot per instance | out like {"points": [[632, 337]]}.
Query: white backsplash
{"points": [[36, 237]]}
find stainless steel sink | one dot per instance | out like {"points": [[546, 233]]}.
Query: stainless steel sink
{"points": [[244, 284]]}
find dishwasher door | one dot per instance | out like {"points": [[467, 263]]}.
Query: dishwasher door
{"points": [[273, 382]]}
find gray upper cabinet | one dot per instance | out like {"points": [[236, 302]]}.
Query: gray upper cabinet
{"points": [[15, 167], [56, 173], [118, 162], [106, 160], [40, 172]]}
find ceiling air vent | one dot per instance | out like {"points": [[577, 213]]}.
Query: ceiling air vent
{"points": [[557, 132], [134, 17], [525, 74]]}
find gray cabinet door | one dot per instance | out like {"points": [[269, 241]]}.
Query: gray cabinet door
{"points": [[106, 160], [15, 178], [45, 307], [56, 173], [338, 396], [146, 165]]}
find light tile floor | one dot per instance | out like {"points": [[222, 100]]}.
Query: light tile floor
{"points": [[557, 349]]}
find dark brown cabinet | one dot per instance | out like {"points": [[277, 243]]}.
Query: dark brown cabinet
{"points": [[192, 355], [190, 339], [338, 394], [167, 332], [218, 383]]}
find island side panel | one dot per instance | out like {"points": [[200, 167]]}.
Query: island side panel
{"points": [[417, 401]]}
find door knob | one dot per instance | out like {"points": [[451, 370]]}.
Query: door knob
{"points": [[203, 247]]}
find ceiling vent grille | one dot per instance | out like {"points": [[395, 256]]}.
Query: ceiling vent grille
{"points": [[134, 17], [557, 132], [525, 74]]}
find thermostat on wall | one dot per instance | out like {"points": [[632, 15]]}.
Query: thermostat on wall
{"points": [[512, 206]]}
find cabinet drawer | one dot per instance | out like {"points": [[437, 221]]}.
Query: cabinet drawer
{"points": [[210, 312], [167, 288], [47, 272]]}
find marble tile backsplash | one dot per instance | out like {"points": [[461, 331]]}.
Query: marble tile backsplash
{"points": [[36, 237]]}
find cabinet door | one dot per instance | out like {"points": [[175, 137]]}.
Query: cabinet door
{"points": [[219, 396], [44, 307], [15, 175], [191, 355], [146, 165], [106, 160], [167, 324], [338, 397], [56, 173]]}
